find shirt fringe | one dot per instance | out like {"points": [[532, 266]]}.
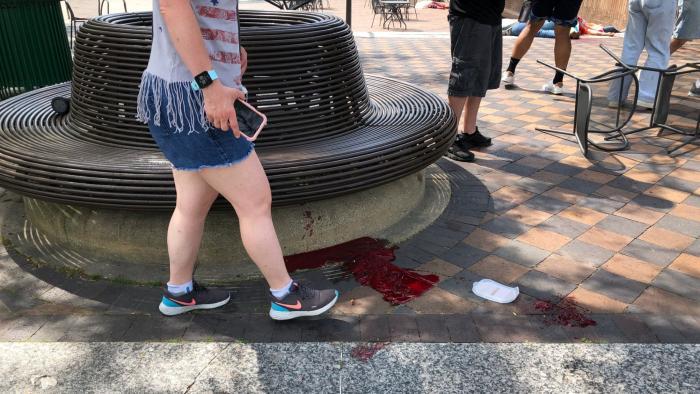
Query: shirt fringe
{"points": [[184, 107]]}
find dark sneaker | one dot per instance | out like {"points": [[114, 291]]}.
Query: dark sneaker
{"points": [[458, 151], [476, 140], [302, 301], [199, 298]]}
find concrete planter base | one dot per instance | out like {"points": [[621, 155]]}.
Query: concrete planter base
{"points": [[132, 245]]}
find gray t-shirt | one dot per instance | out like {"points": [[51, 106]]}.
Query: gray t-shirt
{"points": [[167, 77]]}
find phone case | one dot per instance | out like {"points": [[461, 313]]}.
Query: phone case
{"points": [[250, 122]]}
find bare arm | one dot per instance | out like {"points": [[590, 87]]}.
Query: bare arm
{"points": [[187, 39]]}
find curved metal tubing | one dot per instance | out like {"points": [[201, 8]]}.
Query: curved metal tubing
{"points": [[332, 129]]}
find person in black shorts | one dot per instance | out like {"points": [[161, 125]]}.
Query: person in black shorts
{"points": [[563, 13], [477, 49]]}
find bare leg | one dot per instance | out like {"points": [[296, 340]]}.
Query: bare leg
{"points": [[457, 104], [562, 47], [524, 40], [472, 106], [676, 44], [194, 199], [246, 187]]}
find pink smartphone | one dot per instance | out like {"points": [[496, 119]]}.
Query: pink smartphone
{"points": [[250, 120]]}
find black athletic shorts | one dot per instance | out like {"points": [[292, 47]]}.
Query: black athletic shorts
{"points": [[477, 53], [561, 12]]}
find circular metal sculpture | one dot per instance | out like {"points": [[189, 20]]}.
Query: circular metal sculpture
{"points": [[331, 131]]}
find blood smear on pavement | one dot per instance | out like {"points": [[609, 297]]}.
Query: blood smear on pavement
{"points": [[567, 313], [370, 262]]}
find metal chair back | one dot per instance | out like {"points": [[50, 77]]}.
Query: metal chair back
{"points": [[584, 105], [662, 104]]}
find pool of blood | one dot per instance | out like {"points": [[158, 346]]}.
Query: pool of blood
{"points": [[567, 313], [370, 262]]}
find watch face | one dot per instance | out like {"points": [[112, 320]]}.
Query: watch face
{"points": [[203, 79]]}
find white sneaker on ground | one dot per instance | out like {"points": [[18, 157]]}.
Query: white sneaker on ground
{"points": [[613, 104], [553, 88], [645, 104], [508, 79], [695, 90]]}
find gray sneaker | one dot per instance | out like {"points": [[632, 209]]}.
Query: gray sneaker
{"points": [[302, 301]]}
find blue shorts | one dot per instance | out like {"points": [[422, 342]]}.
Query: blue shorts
{"points": [[688, 23], [194, 150]]}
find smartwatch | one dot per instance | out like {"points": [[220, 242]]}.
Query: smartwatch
{"points": [[204, 79]]}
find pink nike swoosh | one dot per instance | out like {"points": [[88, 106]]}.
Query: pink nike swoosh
{"points": [[193, 302], [295, 306]]}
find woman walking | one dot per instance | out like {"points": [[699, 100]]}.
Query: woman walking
{"points": [[193, 77]]}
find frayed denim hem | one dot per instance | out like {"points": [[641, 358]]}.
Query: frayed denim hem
{"points": [[223, 165]]}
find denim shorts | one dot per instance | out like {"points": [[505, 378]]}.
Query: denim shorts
{"points": [[199, 147], [688, 23], [561, 12]]}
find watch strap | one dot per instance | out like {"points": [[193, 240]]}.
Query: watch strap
{"points": [[195, 82]]}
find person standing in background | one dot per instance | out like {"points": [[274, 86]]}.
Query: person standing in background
{"points": [[476, 45], [649, 26], [687, 29], [564, 15]]}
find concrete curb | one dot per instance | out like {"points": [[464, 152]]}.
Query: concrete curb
{"points": [[342, 367]]}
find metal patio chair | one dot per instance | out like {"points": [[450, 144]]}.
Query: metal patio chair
{"points": [[662, 103], [73, 20], [379, 9], [102, 3], [584, 105]]}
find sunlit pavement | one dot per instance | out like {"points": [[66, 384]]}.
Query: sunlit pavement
{"points": [[616, 236]]}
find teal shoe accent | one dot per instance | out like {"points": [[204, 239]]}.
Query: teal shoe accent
{"points": [[276, 307], [170, 303]]}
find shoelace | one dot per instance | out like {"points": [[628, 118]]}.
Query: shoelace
{"points": [[197, 287], [305, 292]]}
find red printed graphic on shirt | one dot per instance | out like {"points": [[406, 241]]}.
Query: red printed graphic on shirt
{"points": [[225, 57], [219, 35], [216, 13]]}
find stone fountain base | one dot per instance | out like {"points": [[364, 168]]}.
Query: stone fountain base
{"points": [[122, 244]]}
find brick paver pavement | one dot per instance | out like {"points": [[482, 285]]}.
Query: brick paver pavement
{"points": [[616, 234]]}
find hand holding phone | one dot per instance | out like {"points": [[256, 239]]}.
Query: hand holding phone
{"points": [[250, 120]]}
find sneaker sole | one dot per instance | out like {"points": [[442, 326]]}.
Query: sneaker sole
{"points": [[178, 310], [549, 90], [456, 158], [480, 146], [278, 315]]}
